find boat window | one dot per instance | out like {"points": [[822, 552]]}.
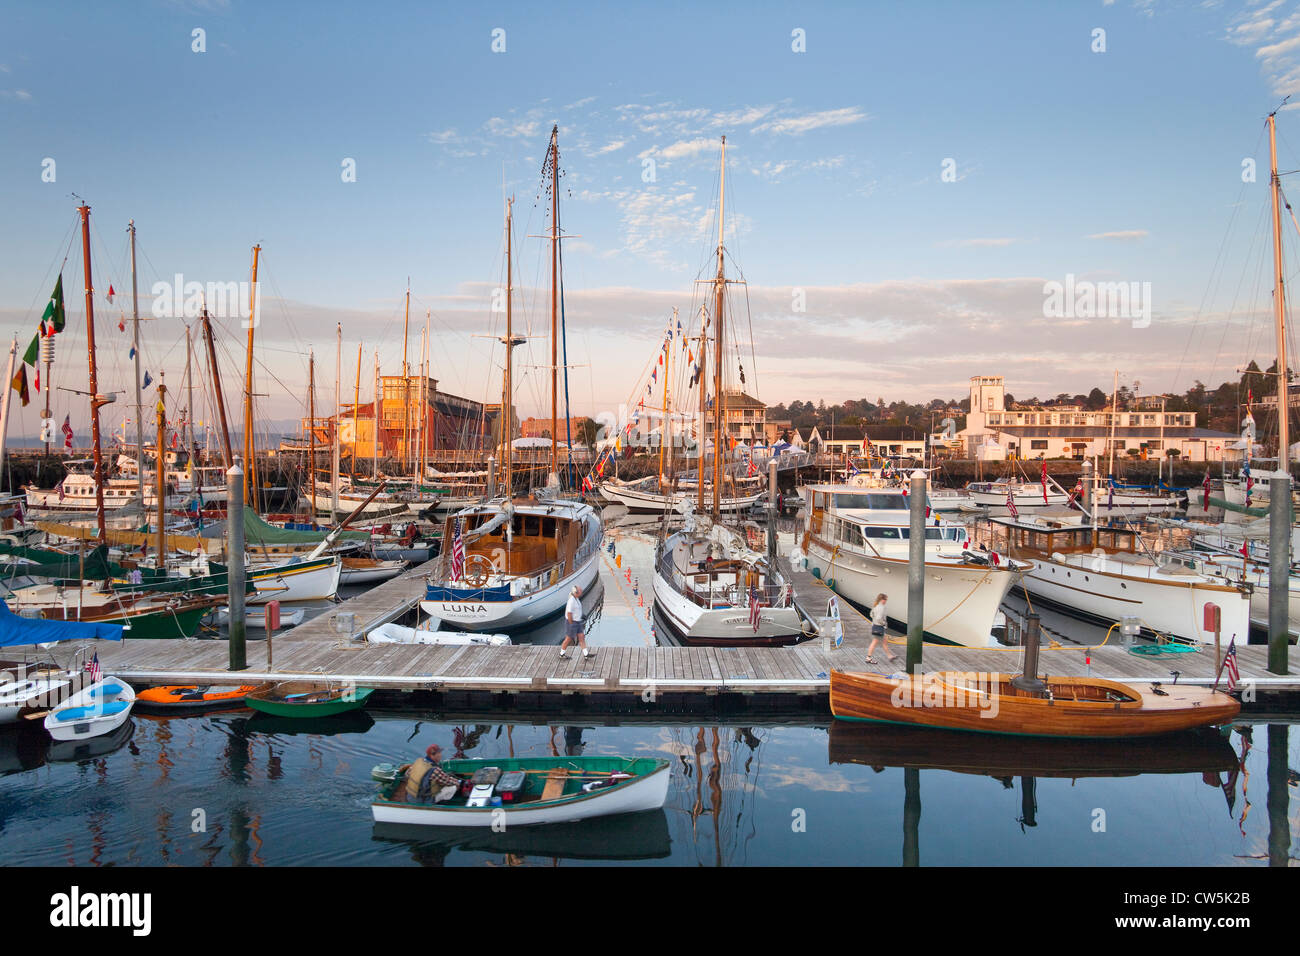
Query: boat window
{"points": [[931, 534], [873, 500], [882, 533]]}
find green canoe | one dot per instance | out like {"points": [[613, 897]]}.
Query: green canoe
{"points": [[301, 698]]}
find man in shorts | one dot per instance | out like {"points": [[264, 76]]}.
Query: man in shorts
{"points": [[573, 623]]}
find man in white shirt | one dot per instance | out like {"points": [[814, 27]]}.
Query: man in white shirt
{"points": [[573, 623]]}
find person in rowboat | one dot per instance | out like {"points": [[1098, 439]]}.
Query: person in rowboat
{"points": [[878, 620], [573, 622], [426, 779]]}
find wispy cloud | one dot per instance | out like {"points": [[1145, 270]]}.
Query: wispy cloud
{"points": [[976, 243], [796, 125], [22, 95], [1123, 235]]}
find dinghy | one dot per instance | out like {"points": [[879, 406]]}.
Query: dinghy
{"points": [[369, 570], [191, 698], [255, 617], [99, 709], [397, 634], [26, 692], [525, 791], [1053, 707], [301, 698]]}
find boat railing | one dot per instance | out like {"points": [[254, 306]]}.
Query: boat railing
{"points": [[769, 594]]}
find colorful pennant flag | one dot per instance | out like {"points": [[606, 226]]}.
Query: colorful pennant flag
{"points": [[19, 385], [52, 321]]}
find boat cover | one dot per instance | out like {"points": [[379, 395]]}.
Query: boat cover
{"points": [[15, 630]]}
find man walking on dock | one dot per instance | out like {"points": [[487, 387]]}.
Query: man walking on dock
{"points": [[573, 622]]}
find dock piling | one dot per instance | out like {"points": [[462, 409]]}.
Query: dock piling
{"points": [[235, 556], [1279, 569], [916, 571], [771, 513]]}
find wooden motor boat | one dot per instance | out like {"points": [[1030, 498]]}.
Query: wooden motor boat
{"points": [[991, 703], [397, 634], [369, 570], [192, 698], [528, 790], [99, 709], [307, 698]]}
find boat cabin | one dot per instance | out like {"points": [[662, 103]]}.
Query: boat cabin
{"points": [[713, 582], [536, 542], [1043, 539]]}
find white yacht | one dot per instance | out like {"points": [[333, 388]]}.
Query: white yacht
{"points": [[857, 540], [1106, 573]]}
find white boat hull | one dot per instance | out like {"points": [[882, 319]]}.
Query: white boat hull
{"points": [[397, 634], [294, 582], [20, 696], [644, 793], [92, 712], [256, 617], [520, 612], [645, 501]]}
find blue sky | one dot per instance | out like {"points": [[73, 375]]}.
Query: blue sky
{"points": [[1115, 165]]}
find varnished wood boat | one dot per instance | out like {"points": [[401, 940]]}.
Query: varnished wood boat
{"points": [[300, 698], [1066, 707]]}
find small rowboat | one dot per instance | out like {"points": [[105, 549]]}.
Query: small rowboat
{"points": [[396, 634], [191, 698], [529, 791], [1086, 707], [255, 617], [297, 698], [99, 709]]}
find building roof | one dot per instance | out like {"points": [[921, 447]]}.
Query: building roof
{"points": [[740, 400]]}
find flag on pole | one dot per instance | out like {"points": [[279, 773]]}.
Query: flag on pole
{"points": [[52, 321], [1230, 665], [755, 612], [121, 323], [1206, 485], [1011, 505], [457, 551], [111, 293], [1044, 481], [37, 383], [93, 669], [67, 432], [19, 385], [147, 379]]}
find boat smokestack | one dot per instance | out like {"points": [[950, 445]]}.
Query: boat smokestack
{"points": [[1028, 680]]}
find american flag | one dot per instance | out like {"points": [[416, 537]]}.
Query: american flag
{"points": [[1044, 481], [93, 669], [457, 551], [1230, 665], [755, 613], [1011, 505], [67, 433], [1206, 485]]}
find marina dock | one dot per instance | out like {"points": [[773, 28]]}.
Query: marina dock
{"points": [[533, 678]]}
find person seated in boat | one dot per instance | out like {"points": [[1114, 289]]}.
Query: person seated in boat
{"points": [[426, 779]]}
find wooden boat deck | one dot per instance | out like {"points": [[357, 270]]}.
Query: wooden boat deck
{"points": [[316, 649]]}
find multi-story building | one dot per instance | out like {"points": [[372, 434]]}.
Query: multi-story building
{"points": [[995, 432], [745, 419]]}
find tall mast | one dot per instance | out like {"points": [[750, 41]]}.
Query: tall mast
{"points": [[228, 457], [668, 397], [135, 349], [699, 468], [663, 423], [374, 458], [189, 410], [555, 291], [406, 380], [1279, 308], [719, 409], [161, 473], [250, 446], [311, 428], [507, 392], [424, 402], [334, 429], [1114, 412], [356, 402], [95, 400]]}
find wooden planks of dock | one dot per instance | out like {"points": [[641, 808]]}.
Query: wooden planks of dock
{"points": [[332, 647]]}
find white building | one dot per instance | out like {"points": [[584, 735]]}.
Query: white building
{"points": [[994, 432]]}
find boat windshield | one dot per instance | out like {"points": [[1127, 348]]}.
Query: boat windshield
{"points": [[871, 500]]}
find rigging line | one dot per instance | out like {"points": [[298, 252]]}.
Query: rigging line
{"points": [[38, 298]]}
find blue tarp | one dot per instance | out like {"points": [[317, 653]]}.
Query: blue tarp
{"points": [[15, 630]]}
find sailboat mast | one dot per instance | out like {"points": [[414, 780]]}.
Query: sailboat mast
{"points": [[668, 402], [356, 402], [699, 467], [374, 458], [311, 428], [406, 380], [424, 402], [507, 413], [719, 409], [250, 445], [1114, 413], [1279, 309], [663, 424], [95, 401], [215, 370], [189, 402], [161, 477], [334, 430], [135, 350], [555, 253]]}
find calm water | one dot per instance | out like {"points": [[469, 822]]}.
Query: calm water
{"points": [[237, 789], [271, 794]]}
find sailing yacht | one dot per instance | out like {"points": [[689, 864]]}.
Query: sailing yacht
{"points": [[710, 587], [507, 563]]}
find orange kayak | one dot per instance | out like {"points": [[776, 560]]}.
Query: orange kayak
{"points": [[193, 697]]}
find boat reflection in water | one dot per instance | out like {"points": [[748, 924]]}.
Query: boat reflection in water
{"points": [[348, 722], [22, 748], [70, 750]]}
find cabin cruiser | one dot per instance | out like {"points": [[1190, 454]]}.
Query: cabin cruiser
{"points": [[857, 540], [1107, 573], [520, 560]]}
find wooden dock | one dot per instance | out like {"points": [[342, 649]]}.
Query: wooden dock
{"points": [[620, 679]]}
